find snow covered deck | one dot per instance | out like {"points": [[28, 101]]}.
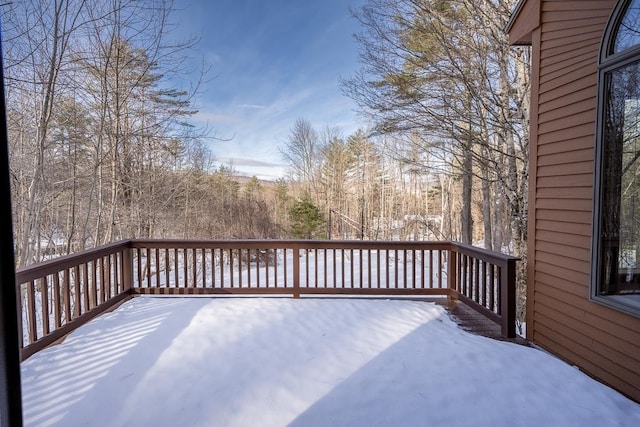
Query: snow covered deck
{"points": [[202, 361]]}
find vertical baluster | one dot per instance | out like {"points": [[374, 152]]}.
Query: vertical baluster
{"points": [[139, 259], [352, 268], [167, 269], [194, 267], [397, 272], [95, 287], [324, 254], [387, 269], [257, 267], [109, 277], [204, 267], [239, 252], [185, 267], [213, 267], [57, 313], [66, 293], [360, 261], [315, 264], [44, 304], [343, 284], [483, 299], [221, 252], [31, 312], [273, 251], [378, 266], [306, 263], [76, 289], [335, 269], [465, 275], [296, 271], [423, 269], [231, 267], [85, 286], [413, 269], [476, 280], [286, 282], [369, 280], [267, 254], [440, 269], [492, 289], [120, 267]]}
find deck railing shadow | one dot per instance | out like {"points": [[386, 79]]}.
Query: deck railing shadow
{"points": [[57, 296], [112, 347]]}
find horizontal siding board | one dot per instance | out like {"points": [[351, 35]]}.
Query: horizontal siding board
{"points": [[572, 5], [566, 181], [586, 129], [577, 217], [568, 145], [584, 47], [567, 227], [566, 280], [578, 14], [576, 168], [584, 193], [565, 58], [565, 204], [560, 66], [569, 122], [568, 89], [561, 260], [559, 83], [549, 26], [560, 108], [567, 250], [576, 155], [570, 35], [573, 240]]}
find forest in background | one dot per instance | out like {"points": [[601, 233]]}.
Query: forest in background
{"points": [[102, 146]]}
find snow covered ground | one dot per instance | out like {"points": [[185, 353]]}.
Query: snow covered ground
{"points": [[307, 362]]}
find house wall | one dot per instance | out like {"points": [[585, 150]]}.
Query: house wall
{"points": [[603, 342]]}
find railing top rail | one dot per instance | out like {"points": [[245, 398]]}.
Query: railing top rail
{"points": [[302, 244], [41, 269], [482, 254]]}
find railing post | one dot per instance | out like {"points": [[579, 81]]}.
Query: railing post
{"points": [[127, 269], [296, 271], [508, 298], [452, 268]]}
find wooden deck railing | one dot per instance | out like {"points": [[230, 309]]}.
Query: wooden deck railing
{"points": [[57, 296]]}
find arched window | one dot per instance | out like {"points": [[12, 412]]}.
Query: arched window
{"points": [[615, 278]]}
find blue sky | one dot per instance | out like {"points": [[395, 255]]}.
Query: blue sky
{"points": [[271, 62]]}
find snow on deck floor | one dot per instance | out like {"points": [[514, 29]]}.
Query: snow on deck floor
{"points": [[307, 362]]}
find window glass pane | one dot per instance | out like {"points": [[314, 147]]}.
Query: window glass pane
{"points": [[628, 33], [620, 212]]}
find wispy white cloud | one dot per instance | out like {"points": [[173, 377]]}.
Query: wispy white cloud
{"points": [[215, 118], [239, 161], [252, 106]]}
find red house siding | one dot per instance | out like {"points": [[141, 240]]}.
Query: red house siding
{"points": [[560, 317]]}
